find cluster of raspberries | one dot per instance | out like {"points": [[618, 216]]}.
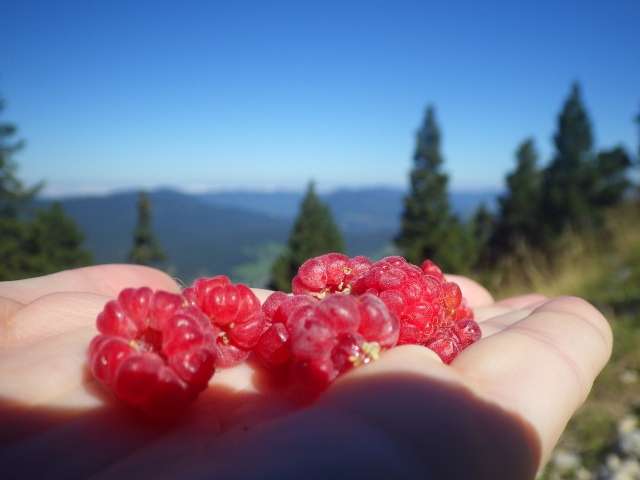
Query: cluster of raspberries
{"points": [[157, 350]]}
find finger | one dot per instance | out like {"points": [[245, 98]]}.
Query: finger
{"points": [[482, 314], [8, 308], [476, 294], [529, 300], [496, 324], [50, 315], [502, 314], [506, 308], [100, 279], [544, 365], [405, 358], [44, 371], [424, 407]]}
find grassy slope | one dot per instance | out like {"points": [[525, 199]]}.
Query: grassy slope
{"points": [[607, 273]]}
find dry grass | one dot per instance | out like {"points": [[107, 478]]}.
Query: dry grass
{"points": [[606, 271]]}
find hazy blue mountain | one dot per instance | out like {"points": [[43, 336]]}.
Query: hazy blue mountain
{"points": [[358, 208], [220, 232], [282, 204], [198, 238]]}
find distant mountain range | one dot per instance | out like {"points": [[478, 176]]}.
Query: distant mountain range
{"points": [[358, 208], [225, 232]]}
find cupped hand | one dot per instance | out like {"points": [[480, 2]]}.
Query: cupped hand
{"points": [[495, 412]]}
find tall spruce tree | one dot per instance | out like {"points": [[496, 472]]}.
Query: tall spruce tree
{"points": [[314, 233], [518, 216], [638, 153], [54, 242], [568, 180], [13, 194], [610, 177], [482, 227], [428, 228], [13, 261], [146, 249]]}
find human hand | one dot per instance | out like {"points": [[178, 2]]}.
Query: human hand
{"points": [[495, 412]]}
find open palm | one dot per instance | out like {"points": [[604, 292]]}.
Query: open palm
{"points": [[495, 412]]}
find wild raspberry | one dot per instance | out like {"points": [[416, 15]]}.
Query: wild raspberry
{"points": [[468, 332], [431, 268], [329, 273], [284, 305], [425, 303], [420, 322], [273, 346], [463, 312], [234, 310], [414, 297], [318, 340], [451, 297], [347, 350], [272, 303], [312, 333], [154, 350], [377, 324], [446, 346]]}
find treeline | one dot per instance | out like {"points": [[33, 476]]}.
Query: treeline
{"points": [[37, 241], [539, 206]]}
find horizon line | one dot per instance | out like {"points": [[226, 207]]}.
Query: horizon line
{"points": [[59, 191]]}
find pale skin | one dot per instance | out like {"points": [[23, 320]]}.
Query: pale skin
{"points": [[495, 412]]}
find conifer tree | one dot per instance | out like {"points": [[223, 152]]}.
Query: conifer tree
{"points": [[13, 194], [146, 249], [428, 228], [568, 180], [482, 227], [610, 179], [14, 261], [518, 219], [12, 232], [54, 242], [29, 247], [638, 153], [314, 232]]}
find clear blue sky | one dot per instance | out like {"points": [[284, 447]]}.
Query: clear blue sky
{"points": [[269, 94]]}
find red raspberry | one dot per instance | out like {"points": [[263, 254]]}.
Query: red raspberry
{"points": [[446, 346], [348, 347], [431, 268], [309, 378], [234, 310], [312, 333], [154, 350], [420, 322], [329, 273], [468, 332], [273, 347], [426, 304], [377, 323], [463, 312], [286, 306], [451, 297], [272, 303], [318, 340]]}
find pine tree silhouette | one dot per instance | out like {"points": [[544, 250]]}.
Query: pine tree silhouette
{"points": [[146, 249], [314, 232]]}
